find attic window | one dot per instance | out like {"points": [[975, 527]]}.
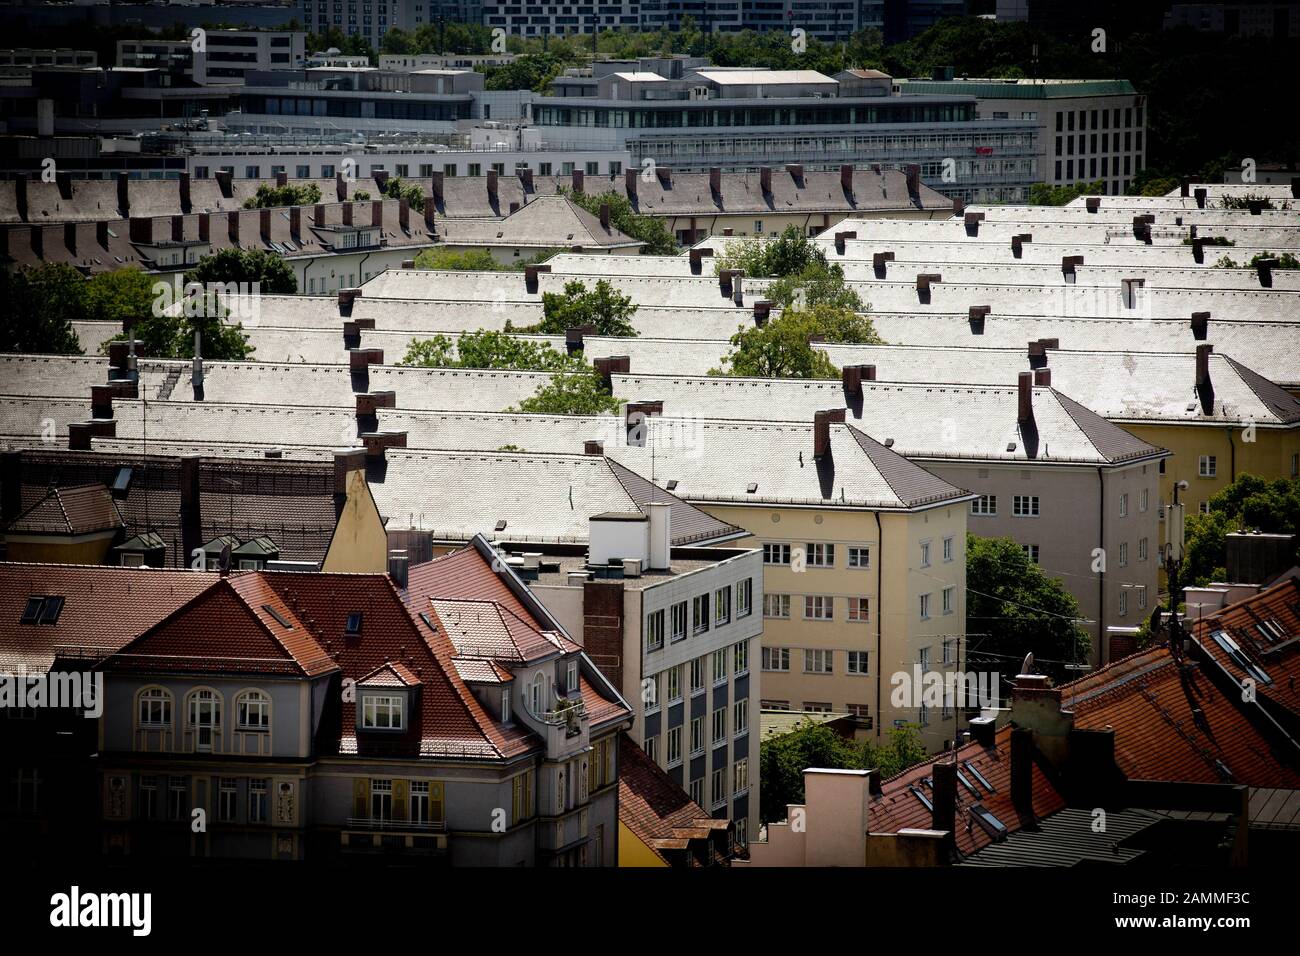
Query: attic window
{"points": [[353, 626], [42, 610], [279, 618]]}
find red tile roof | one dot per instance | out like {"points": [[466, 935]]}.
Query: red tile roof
{"points": [[83, 509], [650, 804], [899, 808], [391, 674], [1266, 628], [104, 608], [1172, 723]]}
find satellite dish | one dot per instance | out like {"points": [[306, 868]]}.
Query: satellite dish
{"points": [[1028, 666]]}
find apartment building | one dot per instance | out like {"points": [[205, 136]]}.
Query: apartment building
{"points": [[26, 56], [460, 727], [369, 21], [1088, 130], [227, 57], [677, 631]]}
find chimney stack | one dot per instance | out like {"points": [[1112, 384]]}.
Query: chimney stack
{"points": [[1037, 355], [840, 238], [958, 207], [715, 183], [1198, 250], [1200, 194], [577, 181], [1093, 203], [765, 180], [1200, 325], [225, 183], [377, 214], [943, 776], [604, 216], [762, 311], [923, 282], [573, 337], [404, 215], [976, 316], [178, 228], [796, 173], [1043, 376], [347, 298], [347, 214], [593, 447], [435, 185], [295, 221], [1183, 187], [493, 198], [264, 224], [607, 368], [37, 233], [346, 461], [124, 195], [629, 185], [972, 222], [1017, 243], [340, 187], [1022, 771], [913, 181], [184, 189], [70, 237], [1203, 353], [525, 178], [20, 197], [142, 229], [232, 225], [878, 260], [191, 514], [822, 430], [381, 180], [846, 180], [64, 182], [1264, 268], [399, 564], [318, 215], [726, 279], [530, 277], [101, 231], [1025, 411], [281, 179], [665, 176]]}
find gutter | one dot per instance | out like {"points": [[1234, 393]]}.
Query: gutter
{"points": [[880, 614]]}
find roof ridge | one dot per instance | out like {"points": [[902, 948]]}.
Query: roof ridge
{"points": [[1257, 383]]}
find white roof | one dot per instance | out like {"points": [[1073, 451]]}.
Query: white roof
{"points": [[741, 77]]}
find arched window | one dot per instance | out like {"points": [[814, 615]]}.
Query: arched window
{"points": [[155, 707], [204, 717], [253, 710], [538, 694]]}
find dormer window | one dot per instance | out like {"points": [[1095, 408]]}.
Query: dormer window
{"points": [[382, 712], [505, 707], [571, 679], [353, 626]]}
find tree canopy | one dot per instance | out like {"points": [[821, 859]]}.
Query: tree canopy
{"points": [[603, 307], [1013, 607], [39, 305], [488, 349], [579, 392], [291, 194], [1250, 502], [654, 232], [269, 270]]}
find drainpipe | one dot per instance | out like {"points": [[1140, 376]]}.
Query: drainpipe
{"points": [[1101, 580], [880, 615], [1232, 457]]}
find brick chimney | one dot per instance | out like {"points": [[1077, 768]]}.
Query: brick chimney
{"points": [[70, 237], [765, 180], [20, 197], [340, 187], [958, 207], [377, 213], [1017, 243], [101, 232], [573, 337], [81, 433], [822, 430], [1198, 250], [493, 196], [264, 224], [1204, 386], [1093, 203], [347, 214], [281, 179], [318, 215], [404, 215], [1183, 187], [225, 183], [1037, 355], [1022, 771], [381, 180], [852, 377], [976, 316], [841, 238], [913, 181], [593, 447], [526, 178], [762, 311], [347, 298], [368, 405], [1043, 376], [360, 360], [37, 234], [972, 222], [64, 182], [878, 260], [295, 221], [232, 225], [943, 799], [665, 177], [923, 282], [141, 229], [178, 228], [726, 279], [1200, 195], [846, 180], [530, 277], [191, 514], [1025, 408], [1200, 325], [697, 257], [629, 185], [435, 185], [604, 216], [430, 213], [124, 195], [715, 183], [183, 187], [1264, 268], [607, 368], [576, 180], [796, 173]]}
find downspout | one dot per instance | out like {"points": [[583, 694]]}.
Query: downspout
{"points": [[1101, 580], [1232, 456], [880, 614]]}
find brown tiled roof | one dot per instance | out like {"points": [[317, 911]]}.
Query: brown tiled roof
{"points": [[485, 629], [899, 807], [82, 509], [651, 805], [1173, 723], [1266, 629], [104, 608]]}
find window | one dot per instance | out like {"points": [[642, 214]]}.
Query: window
{"points": [[697, 676], [420, 801], [740, 717], [654, 630], [821, 555], [253, 710], [679, 621], [768, 704], [674, 746], [1123, 602], [1142, 549], [1207, 466], [1123, 506], [948, 599], [650, 693], [719, 788], [947, 548], [506, 714], [818, 661], [776, 658], [1142, 598], [740, 657], [1025, 506], [205, 718], [860, 557], [776, 605], [744, 598], [818, 608], [700, 613], [1123, 554], [776, 554], [382, 713], [42, 610], [178, 798], [651, 748], [721, 606], [381, 799], [720, 725], [674, 683], [537, 694], [950, 651], [925, 554], [148, 808], [352, 627], [697, 791], [984, 505], [1031, 552], [858, 663], [257, 800], [720, 666], [1145, 500], [859, 609], [155, 708], [925, 606], [697, 735], [228, 800], [817, 706], [571, 677], [740, 776]]}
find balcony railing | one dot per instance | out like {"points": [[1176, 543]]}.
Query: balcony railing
{"points": [[379, 823]]}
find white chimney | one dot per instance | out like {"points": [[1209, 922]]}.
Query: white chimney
{"points": [[661, 536]]}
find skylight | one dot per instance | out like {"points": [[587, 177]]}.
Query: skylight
{"points": [[925, 801], [1241, 660], [279, 618], [970, 768], [353, 626], [988, 822], [41, 610], [967, 784]]}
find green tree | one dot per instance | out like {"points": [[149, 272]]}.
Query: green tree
{"points": [[489, 349], [1250, 502], [789, 254], [453, 260], [39, 305], [779, 349], [818, 284], [1013, 607], [292, 194], [1044, 194], [273, 275], [603, 307], [395, 188], [121, 296], [658, 239], [580, 392]]}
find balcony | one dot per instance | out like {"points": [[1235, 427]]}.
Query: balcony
{"points": [[380, 823], [375, 836]]}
